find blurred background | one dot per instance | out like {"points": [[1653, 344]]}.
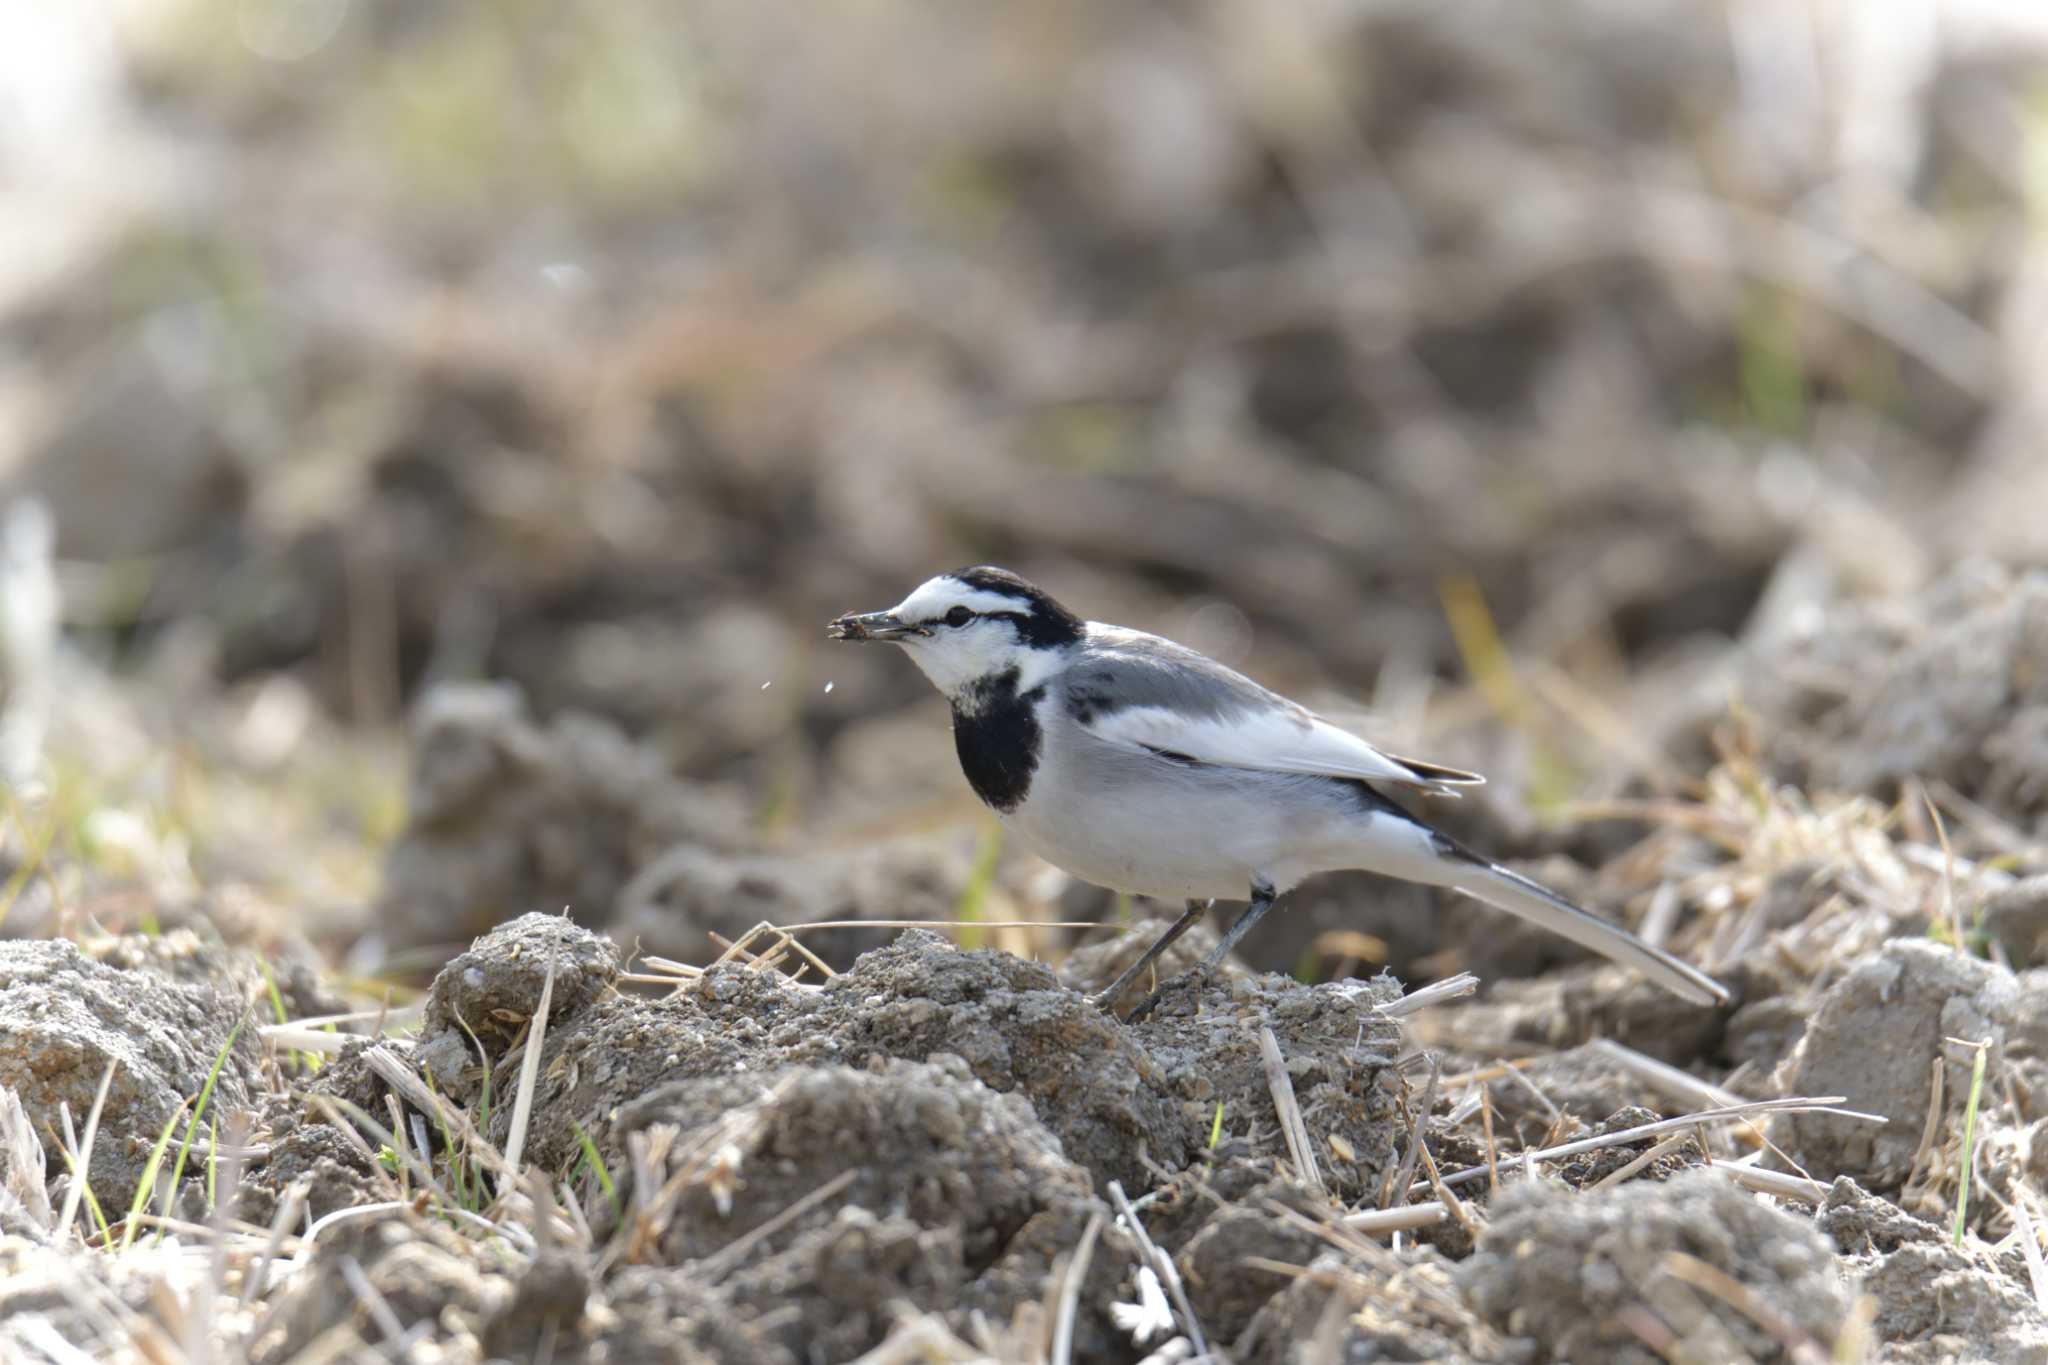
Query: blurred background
{"points": [[455, 423]]}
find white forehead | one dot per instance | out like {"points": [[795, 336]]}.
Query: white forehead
{"points": [[936, 596]]}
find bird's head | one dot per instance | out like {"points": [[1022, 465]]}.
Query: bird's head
{"points": [[971, 624]]}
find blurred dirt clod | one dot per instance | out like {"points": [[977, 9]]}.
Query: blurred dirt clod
{"points": [[509, 816], [1949, 684], [1564, 1270], [945, 1195]]}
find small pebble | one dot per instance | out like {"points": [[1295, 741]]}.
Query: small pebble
{"points": [[828, 687], [764, 686]]}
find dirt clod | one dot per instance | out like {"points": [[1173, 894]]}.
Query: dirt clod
{"points": [[939, 1193], [1874, 1039], [1567, 1271], [64, 1017], [495, 988], [508, 815]]}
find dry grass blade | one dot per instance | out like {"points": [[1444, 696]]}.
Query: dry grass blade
{"points": [[1162, 1266], [81, 1171], [1796, 1104], [1376, 1222], [1774, 1183], [1486, 1123], [1930, 1129], [21, 1166], [1665, 1079], [1452, 1204], [288, 1210], [935, 924], [1950, 915], [1301, 1148], [2030, 1249], [923, 1340], [529, 1075], [373, 1303], [721, 1262], [510, 1231], [35, 1330], [312, 1035], [1521, 1078], [395, 1072], [1656, 1153], [1405, 1173], [1691, 1270], [1070, 1292], [1435, 993]]}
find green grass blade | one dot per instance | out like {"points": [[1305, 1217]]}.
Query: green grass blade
{"points": [[92, 1201], [972, 907], [147, 1182], [192, 1126], [596, 1164]]}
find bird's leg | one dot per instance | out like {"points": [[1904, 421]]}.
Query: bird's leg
{"points": [[1195, 910], [1263, 897]]}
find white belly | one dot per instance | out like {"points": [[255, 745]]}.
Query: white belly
{"points": [[1155, 828]]}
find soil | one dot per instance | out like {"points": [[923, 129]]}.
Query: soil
{"points": [[430, 450]]}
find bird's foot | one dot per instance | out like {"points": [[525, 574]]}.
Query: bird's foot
{"points": [[1105, 1000]]}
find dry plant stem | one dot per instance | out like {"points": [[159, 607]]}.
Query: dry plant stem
{"points": [[924, 1340], [1376, 1222], [310, 1035], [529, 1075], [2030, 1249], [1405, 1173], [1656, 1153], [373, 1303], [1775, 1183], [1162, 1266], [728, 1257], [1948, 875], [935, 924], [1550, 1110], [1937, 1081], [1435, 993], [1737, 1295], [1300, 1146], [511, 1232], [288, 1210], [1651, 1331], [1665, 1079], [1797, 1104], [345, 1115], [81, 1172], [1070, 1292], [1451, 1202], [394, 1071]]}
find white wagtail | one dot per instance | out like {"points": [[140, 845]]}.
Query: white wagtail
{"points": [[1139, 765]]}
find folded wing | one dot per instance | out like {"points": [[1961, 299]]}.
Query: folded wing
{"points": [[1144, 692]]}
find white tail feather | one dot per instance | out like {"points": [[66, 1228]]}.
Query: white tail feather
{"points": [[1532, 901]]}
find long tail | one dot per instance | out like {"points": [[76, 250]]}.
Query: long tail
{"points": [[1518, 895]]}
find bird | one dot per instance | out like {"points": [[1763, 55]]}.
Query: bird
{"points": [[1145, 767]]}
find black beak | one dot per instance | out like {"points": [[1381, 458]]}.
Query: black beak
{"points": [[874, 625]]}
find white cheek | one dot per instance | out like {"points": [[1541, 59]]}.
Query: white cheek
{"points": [[954, 658]]}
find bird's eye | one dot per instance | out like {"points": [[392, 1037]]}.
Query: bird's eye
{"points": [[959, 616]]}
